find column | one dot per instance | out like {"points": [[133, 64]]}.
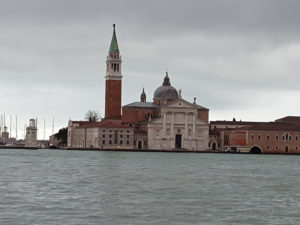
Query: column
{"points": [[164, 125], [172, 125], [194, 125], [186, 125]]}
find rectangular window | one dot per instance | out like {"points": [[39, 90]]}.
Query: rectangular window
{"points": [[296, 138], [268, 137], [127, 136], [252, 137], [103, 135], [128, 142], [110, 136], [103, 142], [121, 136], [110, 142], [121, 142], [258, 137], [276, 137], [116, 137]]}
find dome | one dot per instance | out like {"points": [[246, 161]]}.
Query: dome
{"points": [[166, 91]]}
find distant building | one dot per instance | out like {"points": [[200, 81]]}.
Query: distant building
{"points": [[31, 135], [281, 136], [102, 135], [5, 135], [217, 129]]}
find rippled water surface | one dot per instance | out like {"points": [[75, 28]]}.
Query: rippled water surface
{"points": [[111, 188]]}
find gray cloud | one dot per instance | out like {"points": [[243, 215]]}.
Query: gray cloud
{"points": [[239, 58]]}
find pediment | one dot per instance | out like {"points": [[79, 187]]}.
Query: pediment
{"points": [[181, 103]]}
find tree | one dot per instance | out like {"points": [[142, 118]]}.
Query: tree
{"points": [[92, 116], [62, 135]]}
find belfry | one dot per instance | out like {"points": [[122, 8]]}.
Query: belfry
{"points": [[113, 88]]}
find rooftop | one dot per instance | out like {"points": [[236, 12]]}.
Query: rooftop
{"points": [[114, 43], [104, 123], [274, 126], [289, 119], [141, 105], [237, 123]]}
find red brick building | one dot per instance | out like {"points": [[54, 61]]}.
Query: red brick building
{"points": [[281, 136]]}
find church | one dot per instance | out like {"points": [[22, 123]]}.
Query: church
{"points": [[168, 122]]}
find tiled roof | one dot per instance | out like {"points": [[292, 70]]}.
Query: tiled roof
{"points": [[80, 121], [105, 124], [141, 105], [289, 119], [274, 126], [237, 123]]}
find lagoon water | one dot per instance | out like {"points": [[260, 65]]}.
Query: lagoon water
{"points": [[120, 188]]}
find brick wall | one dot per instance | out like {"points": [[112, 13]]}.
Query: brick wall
{"points": [[113, 99]]}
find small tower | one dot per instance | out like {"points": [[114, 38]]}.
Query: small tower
{"points": [[5, 135], [113, 88], [31, 134], [143, 96]]}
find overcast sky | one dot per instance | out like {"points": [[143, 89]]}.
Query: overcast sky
{"points": [[238, 58]]}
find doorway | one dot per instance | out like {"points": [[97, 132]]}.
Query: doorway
{"points": [[139, 145], [178, 141], [214, 146], [255, 150]]}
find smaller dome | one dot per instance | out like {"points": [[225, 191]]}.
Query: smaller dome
{"points": [[166, 91]]}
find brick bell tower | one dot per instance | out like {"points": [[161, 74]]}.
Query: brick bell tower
{"points": [[113, 88]]}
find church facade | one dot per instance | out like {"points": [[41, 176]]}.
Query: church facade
{"points": [[178, 127], [169, 122]]}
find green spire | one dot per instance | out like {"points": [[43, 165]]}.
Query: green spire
{"points": [[114, 43]]}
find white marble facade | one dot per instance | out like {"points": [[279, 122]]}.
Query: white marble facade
{"points": [[178, 128]]}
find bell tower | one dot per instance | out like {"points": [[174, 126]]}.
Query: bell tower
{"points": [[113, 88]]}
